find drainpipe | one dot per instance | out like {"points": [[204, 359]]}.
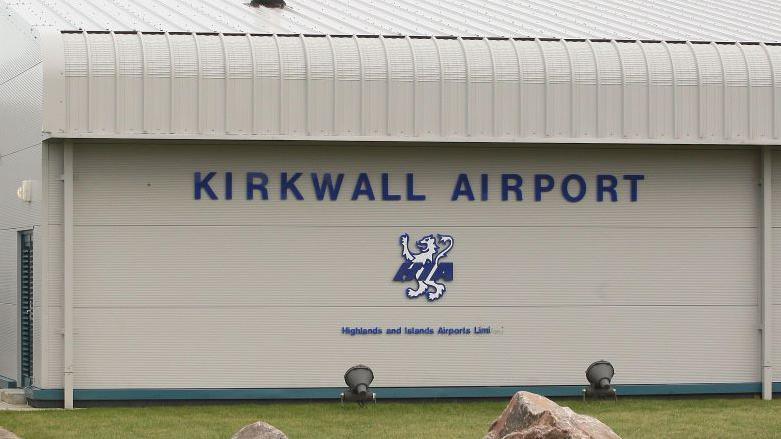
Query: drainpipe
{"points": [[67, 378], [767, 274]]}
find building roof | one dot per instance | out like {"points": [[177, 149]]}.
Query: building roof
{"points": [[241, 86], [687, 20], [625, 71]]}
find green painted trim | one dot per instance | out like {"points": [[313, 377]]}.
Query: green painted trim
{"points": [[386, 392], [7, 383]]}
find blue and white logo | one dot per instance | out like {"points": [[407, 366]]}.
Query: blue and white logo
{"points": [[425, 266]]}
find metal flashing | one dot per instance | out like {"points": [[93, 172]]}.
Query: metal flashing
{"points": [[389, 392]]}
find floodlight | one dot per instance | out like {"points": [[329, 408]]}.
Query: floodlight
{"points": [[599, 374], [358, 378]]}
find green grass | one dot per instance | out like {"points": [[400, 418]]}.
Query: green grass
{"points": [[630, 417]]}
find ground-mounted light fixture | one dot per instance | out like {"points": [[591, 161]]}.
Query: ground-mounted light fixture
{"points": [[599, 374], [358, 378]]}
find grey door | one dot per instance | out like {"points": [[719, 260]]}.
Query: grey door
{"points": [[26, 306]]}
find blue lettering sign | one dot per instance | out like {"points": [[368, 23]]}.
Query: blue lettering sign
{"points": [[252, 186], [573, 188], [515, 186], [565, 188], [327, 186], [542, 183], [463, 187], [289, 184], [408, 272], [386, 195], [633, 179], [411, 195], [363, 187], [229, 185], [202, 184], [607, 183]]}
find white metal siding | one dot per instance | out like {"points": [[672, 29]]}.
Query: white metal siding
{"points": [[9, 320], [53, 328], [40, 310], [776, 332], [14, 168], [682, 194], [711, 20], [251, 347], [171, 292], [21, 98], [15, 216], [20, 50], [283, 87], [776, 266]]}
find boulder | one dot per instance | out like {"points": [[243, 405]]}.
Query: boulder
{"points": [[531, 416], [5, 434], [259, 430]]}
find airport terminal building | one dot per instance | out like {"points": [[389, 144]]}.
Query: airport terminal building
{"points": [[211, 200]]}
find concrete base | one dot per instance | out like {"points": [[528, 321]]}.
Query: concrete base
{"points": [[13, 396]]}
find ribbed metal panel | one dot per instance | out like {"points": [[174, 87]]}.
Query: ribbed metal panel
{"points": [[443, 89], [527, 267], [54, 353], [21, 98], [776, 339], [710, 20], [9, 311], [19, 51], [21, 118], [9, 346], [776, 251], [39, 307], [679, 190], [674, 277], [271, 347], [9, 278], [51, 363]]}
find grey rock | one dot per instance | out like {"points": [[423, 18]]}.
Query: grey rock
{"points": [[259, 430], [5, 434], [531, 416]]}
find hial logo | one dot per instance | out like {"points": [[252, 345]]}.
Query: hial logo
{"points": [[425, 266]]}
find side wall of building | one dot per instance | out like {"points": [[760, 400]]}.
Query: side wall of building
{"points": [[174, 292], [21, 89], [52, 327]]}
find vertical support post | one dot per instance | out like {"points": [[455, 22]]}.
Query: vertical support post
{"points": [[42, 291], [68, 276], [767, 274]]}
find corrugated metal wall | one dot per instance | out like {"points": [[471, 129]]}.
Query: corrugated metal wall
{"points": [[173, 292], [777, 266], [52, 323], [435, 89], [21, 98]]}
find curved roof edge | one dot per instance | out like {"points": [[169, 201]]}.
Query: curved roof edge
{"points": [[241, 86]]}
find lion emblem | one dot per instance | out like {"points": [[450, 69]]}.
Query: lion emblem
{"points": [[425, 266]]}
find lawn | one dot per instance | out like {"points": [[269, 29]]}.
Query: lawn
{"points": [[630, 417]]}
